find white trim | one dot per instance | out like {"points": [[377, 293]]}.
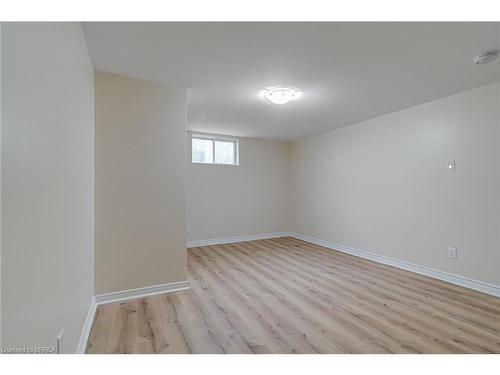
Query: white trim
{"points": [[466, 282], [125, 295], [87, 326], [251, 237]]}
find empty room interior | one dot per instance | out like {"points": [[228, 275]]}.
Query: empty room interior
{"points": [[250, 187]]}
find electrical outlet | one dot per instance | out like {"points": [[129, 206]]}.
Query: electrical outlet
{"points": [[59, 342], [452, 252]]}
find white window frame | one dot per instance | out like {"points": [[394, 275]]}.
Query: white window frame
{"points": [[214, 138]]}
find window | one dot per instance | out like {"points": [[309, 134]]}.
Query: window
{"points": [[214, 150]]}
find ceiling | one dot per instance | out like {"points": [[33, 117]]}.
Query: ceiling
{"points": [[348, 72]]}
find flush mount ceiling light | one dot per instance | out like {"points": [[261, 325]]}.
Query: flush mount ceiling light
{"points": [[486, 57], [281, 95]]}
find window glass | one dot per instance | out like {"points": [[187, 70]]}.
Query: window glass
{"points": [[208, 149], [224, 152], [202, 150]]}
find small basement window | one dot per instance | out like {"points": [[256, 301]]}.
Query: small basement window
{"points": [[207, 149]]}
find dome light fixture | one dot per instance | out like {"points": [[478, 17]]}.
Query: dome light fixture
{"points": [[281, 94]]}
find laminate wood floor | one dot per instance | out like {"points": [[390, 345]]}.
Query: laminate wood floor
{"points": [[288, 296]]}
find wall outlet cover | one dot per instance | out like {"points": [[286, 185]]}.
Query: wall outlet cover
{"points": [[452, 252]]}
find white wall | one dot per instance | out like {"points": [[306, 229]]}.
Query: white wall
{"points": [[383, 186], [140, 150], [498, 195], [0, 184], [47, 183], [252, 198]]}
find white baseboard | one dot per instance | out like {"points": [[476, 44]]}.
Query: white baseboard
{"points": [[251, 237], [125, 295], [87, 326], [422, 270]]}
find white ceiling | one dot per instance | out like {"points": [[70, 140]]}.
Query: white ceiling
{"points": [[348, 71]]}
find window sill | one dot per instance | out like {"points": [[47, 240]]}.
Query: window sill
{"points": [[226, 165]]}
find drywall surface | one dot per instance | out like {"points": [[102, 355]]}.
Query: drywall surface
{"points": [[384, 186], [140, 216], [47, 184], [251, 198], [0, 184]]}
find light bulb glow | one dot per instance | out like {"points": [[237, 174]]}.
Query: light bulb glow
{"points": [[281, 95]]}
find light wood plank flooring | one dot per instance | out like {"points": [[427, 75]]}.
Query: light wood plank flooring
{"points": [[288, 296]]}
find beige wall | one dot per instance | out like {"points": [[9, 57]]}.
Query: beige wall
{"points": [[383, 186], [140, 148], [251, 198], [47, 184]]}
